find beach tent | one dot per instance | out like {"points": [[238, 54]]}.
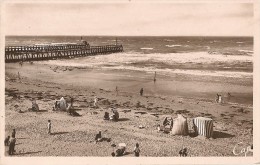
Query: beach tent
{"points": [[203, 126], [63, 105], [180, 126]]}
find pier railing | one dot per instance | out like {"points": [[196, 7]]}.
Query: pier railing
{"points": [[49, 52]]}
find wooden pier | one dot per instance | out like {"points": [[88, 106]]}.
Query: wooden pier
{"points": [[56, 51]]}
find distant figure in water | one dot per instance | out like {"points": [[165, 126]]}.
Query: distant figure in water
{"points": [[154, 79], [116, 90], [141, 91]]}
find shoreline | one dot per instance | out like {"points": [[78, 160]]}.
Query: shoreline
{"points": [[73, 136]]}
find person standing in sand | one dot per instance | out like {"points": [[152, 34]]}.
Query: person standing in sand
{"points": [[141, 92], [19, 77], [49, 126], [116, 91], [12, 145], [13, 133], [154, 79], [95, 101], [137, 150]]}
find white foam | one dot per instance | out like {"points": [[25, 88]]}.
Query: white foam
{"points": [[173, 46], [147, 48], [247, 51], [125, 60]]}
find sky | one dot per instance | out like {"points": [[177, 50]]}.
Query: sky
{"points": [[129, 19]]}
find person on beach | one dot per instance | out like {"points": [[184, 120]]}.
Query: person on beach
{"points": [[183, 152], [7, 140], [154, 79], [116, 91], [95, 101], [49, 126], [98, 137], [141, 92], [21, 63], [217, 98], [12, 145], [19, 77], [137, 150], [13, 133]]}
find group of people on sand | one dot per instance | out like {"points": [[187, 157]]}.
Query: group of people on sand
{"points": [[121, 150], [142, 89], [11, 142], [219, 98]]}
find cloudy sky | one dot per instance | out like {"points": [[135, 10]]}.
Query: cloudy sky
{"points": [[129, 18]]}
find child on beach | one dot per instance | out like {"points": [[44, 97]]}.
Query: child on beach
{"points": [[49, 126], [137, 150], [7, 140]]}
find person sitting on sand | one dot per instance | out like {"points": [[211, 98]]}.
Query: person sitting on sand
{"points": [[183, 152], [115, 115], [120, 151], [35, 106], [141, 92], [7, 140], [106, 116], [137, 150], [98, 137]]}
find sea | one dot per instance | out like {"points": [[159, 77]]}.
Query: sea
{"points": [[189, 55]]}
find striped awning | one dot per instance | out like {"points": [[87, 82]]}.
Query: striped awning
{"points": [[203, 126]]}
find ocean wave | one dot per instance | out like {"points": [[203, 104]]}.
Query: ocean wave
{"points": [[170, 46], [171, 58], [246, 51], [146, 48], [128, 61]]}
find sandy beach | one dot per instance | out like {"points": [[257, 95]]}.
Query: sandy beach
{"points": [[190, 95]]}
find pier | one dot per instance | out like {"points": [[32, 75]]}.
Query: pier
{"points": [[56, 51]]}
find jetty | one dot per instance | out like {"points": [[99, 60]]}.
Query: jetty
{"points": [[53, 51]]}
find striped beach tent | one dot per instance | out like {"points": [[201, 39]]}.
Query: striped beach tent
{"points": [[180, 126], [203, 126]]}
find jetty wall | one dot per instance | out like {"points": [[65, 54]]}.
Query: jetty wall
{"points": [[51, 52]]}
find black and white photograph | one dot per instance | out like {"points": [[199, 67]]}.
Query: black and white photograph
{"points": [[128, 79]]}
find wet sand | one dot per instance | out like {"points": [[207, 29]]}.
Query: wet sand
{"points": [[73, 136]]}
